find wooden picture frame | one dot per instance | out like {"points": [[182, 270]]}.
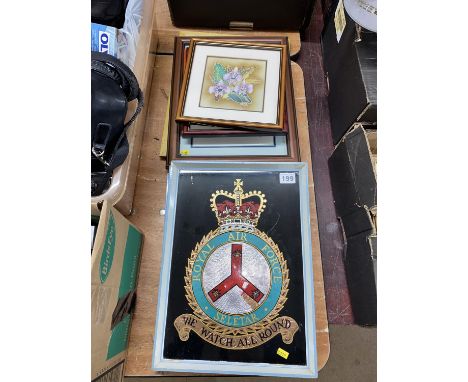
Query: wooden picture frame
{"points": [[181, 44], [229, 102], [197, 130]]}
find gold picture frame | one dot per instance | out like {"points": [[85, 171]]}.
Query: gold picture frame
{"points": [[233, 88]]}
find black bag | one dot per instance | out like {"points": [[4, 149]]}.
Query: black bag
{"points": [[109, 12], [113, 85]]}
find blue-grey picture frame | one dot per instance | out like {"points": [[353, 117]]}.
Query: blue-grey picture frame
{"points": [[159, 362]]}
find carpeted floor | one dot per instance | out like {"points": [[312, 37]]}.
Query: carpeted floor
{"points": [[331, 240]]}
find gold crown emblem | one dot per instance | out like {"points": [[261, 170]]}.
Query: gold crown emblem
{"points": [[236, 208]]}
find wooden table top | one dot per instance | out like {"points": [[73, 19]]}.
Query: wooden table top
{"points": [[166, 31], [149, 200]]}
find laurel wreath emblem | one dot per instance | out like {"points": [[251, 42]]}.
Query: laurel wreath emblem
{"points": [[219, 327]]}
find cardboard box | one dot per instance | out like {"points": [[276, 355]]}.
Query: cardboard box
{"points": [[350, 63], [354, 184], [114, 271], [327, 7]]}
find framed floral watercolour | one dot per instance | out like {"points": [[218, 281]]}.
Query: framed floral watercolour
{"points": [[234, 84]]}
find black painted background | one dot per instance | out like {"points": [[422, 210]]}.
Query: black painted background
{"points": [[194, 219]]}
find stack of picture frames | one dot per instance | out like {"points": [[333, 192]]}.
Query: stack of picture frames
{"points": [[232, 99]]}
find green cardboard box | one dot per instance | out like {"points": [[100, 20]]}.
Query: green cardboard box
{"points": [[114, 272]]}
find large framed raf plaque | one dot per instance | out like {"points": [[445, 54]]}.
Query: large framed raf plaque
{"points": [[236, 287]]}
